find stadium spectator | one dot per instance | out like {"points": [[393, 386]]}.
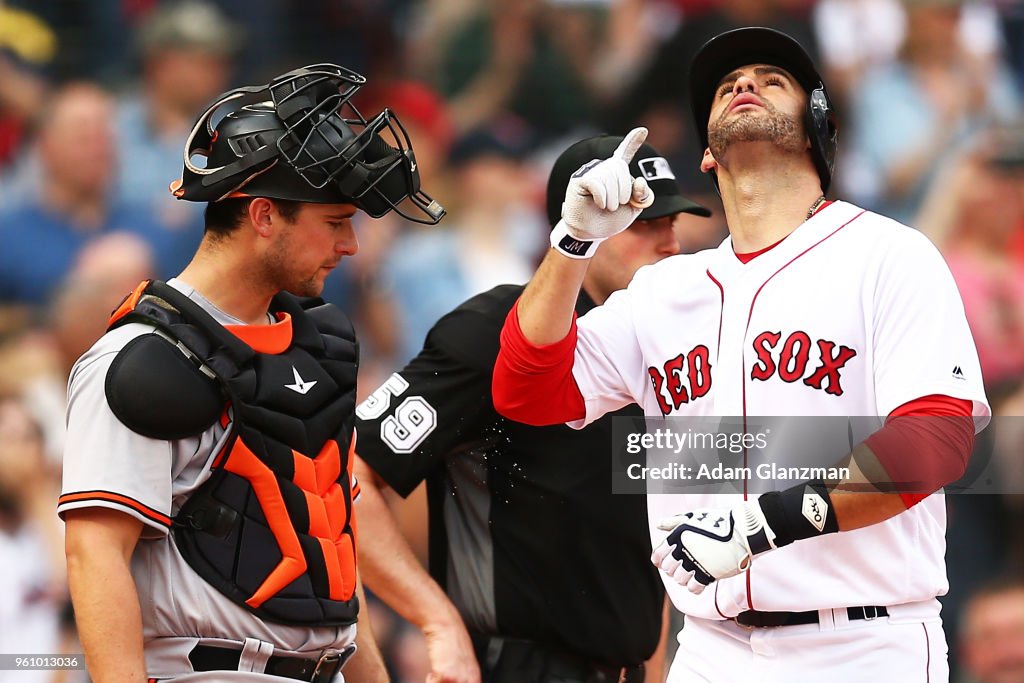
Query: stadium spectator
{"points": [[187, 51], [528, 57], [32, 579], [42, 237], [992, 640], [26, 45], [910, 116], [974, 212]]}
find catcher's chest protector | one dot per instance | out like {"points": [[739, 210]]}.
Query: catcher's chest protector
{"points": [[272, 528]]}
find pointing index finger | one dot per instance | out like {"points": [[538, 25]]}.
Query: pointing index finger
{"points": [[630, 144]]}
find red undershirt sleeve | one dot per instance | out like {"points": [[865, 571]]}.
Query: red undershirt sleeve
{"points": [[534, 384], [925, 445]]}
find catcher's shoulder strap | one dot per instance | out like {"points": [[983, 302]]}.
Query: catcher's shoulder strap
{"points": [[172, 383], [160, 385]]}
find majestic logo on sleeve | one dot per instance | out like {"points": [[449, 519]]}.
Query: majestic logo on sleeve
{"points": [[790, 360], [682, 379]]}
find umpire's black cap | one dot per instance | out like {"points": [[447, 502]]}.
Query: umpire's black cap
{"points": [[729, 51], [647, 163]]}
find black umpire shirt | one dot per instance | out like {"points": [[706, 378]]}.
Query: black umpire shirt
{"points": [[526, 536]]}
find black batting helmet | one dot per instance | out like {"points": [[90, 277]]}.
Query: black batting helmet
{"points": [[301, 138], [759, 45]]}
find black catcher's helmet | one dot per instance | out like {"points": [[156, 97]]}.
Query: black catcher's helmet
{"points": [[758, 45], [301, 138]]}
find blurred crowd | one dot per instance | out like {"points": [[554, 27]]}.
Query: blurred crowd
{"points": [[96, 99]]}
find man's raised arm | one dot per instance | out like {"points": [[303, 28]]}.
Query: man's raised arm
{"points": [[533, 374]]}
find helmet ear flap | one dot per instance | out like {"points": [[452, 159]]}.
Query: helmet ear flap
{"points": [[823, 131]]}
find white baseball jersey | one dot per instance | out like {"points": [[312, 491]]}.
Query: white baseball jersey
{"points": [[853, 314], [108, 465]]}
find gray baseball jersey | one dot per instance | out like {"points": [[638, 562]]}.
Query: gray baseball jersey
{"points": [[108, 465]]}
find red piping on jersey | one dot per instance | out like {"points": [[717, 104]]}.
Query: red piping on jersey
{"points": [[751, 255], [717, 608], [750, 313], [743, 359], [928, 655], [119, 498], [721, 311]]}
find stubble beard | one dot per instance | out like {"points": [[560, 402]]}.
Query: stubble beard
{"points": [[784, 132], [309, 287], [279, 272]]}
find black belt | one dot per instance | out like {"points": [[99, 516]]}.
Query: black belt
{"points": [[520, 660], [316, 670], [754, 619]]}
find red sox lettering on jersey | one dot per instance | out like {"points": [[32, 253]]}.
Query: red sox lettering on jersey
{"points": [[688, 376], [682, 379], [791, 361]]}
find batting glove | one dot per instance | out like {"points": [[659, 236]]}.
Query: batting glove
{"points": [[712, 544], [601, 200]]}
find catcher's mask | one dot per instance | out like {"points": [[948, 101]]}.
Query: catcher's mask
{"points": [[301, 138], [758, 45]]}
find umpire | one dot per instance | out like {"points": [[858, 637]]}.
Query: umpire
{"points": [[516, 511]]}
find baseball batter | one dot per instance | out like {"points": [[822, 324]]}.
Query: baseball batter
{"points": [[502, 495], [208, 488], [809, 308]]}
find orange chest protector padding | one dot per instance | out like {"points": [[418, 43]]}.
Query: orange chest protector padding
{"points": [[272, 528]]}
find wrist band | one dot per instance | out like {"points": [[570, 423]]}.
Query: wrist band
{"points": [[574, 248], [801, 511]]}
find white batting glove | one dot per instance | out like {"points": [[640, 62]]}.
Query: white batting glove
{"points": [[711, 544], [602, 199]]}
